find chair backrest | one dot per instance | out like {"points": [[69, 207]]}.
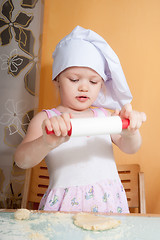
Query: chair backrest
{"points": [[36, 184], [133, 183], [37, 181]]}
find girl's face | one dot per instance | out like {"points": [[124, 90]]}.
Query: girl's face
{"points": [[78, 87]]}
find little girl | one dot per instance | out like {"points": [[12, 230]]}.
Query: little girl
{"points": [[82, 170]]}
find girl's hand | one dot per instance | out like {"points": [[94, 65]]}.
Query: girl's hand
{"points": [[60, 125], [130, 139], [136, 118]]}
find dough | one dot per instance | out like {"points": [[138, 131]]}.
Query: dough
{"points": [[37, 236], [22, 214], [92, 222]]}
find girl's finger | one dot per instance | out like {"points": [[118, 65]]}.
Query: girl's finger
{"points": [[133, 121], [46, 124], [62, 126], [55, 126], [67, 119], [126, 111]]}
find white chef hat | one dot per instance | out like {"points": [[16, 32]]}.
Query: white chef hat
{"points": [[85, 48]]}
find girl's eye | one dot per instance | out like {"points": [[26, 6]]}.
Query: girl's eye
{"points": [[73, 80], [93, 82]]}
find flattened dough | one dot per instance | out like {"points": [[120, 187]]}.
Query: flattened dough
{"points": [[92, 222], [22, 214]]}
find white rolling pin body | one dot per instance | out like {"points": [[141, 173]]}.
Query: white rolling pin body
{"points": [[95, 126]]}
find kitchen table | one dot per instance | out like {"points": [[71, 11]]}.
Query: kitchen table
{"points": [[59, 226]]}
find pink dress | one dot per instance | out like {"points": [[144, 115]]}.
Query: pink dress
{"points": [[83, 175]]}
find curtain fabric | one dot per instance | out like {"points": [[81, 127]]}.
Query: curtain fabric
{"points": [[20, 51]]}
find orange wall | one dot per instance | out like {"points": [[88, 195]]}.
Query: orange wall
{"points": [[132, 30]]}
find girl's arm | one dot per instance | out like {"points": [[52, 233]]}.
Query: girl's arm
{"points": [[37, 144], [129, 141]]}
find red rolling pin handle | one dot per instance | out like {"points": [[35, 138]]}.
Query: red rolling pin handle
{"points": [[49, 132], [125, 123]]}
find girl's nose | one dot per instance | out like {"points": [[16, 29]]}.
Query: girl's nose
{"points": [[83, 86]]}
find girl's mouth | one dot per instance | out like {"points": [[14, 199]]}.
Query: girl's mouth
{"points": [[82, 98]]}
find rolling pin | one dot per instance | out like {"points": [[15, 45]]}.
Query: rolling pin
{"points": [[96, 126]]}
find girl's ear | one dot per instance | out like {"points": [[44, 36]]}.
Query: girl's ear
{"points": [[56, 82]]}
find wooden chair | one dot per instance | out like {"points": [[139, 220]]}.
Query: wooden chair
{"points": [[37, 180]]}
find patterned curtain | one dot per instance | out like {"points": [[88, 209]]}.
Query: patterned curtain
{"points": [[20, 50]]}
